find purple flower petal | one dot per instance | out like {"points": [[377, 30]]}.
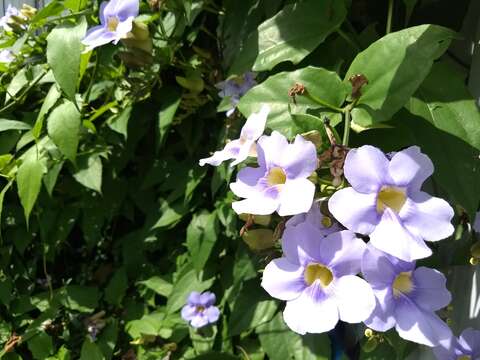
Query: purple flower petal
{"points": [[470, 341], [354, 210], [123, 9], [188, 312], [199, 321], [302, 244], [392, 237], [261, 204], [299, 159], [255, 124], [194, 298], [366, 169], [476, 223], [97, 36], [430, 292], [382, 317], [354, 297], [247, 179], [428, 216], [212, 314], [270, 148], [283, 280], [296, 196], [343, 252], [207, 299], [410, 167], [101, 12], [311, 312], [230, 151], [315, 218], [420, 326], [123, 28]]}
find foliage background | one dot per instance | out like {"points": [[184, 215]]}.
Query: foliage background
{"points": [[106, 212]]}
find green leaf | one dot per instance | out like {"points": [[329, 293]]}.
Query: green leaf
{"points": [[251, 309], [29, 182], [90, 351], [119, 123], [80, 298], [62, 354], [395, 66], [201, 237], [40, 345], [187, 282], [290, 35], [6, 125], [49, 101], [159, 285], [108, 339], [2, 197], [89, 172], [170, 100], [115, 290], [54, 8], [50, 178], [318, 82], [148, 325], [64, 129], [64, 49], [279, 342]]}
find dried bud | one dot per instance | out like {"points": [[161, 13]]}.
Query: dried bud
{"points": [[357, 81], [297, 89]]}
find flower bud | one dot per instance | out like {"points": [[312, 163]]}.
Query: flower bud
{"points": [[259, 239], [139, 37], [315, 137], [28, 11]]}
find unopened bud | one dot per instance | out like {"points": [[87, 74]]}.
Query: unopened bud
{"points": [[259, 239], [371, 344], [28, 11], [315, 137], [139, 38]]}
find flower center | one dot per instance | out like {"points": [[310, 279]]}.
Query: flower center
{"points": [[391, 197], [326, 222], [464, 357], [315, 271], [200, 308], [403, 284], [112, 23], [276, 176]]}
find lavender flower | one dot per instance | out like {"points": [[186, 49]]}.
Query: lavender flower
{"points": [[199, 310], [466, 347], [385, 202], [317, 278], [406, 298], [244, 146], [280, 182], [235, 88], [315, 218], [476, 223], [6, 56], [116, 19], [7, 18]]}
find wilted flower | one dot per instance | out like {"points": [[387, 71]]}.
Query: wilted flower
{"points": [[317, 278], [244, 146], [235, 88], [466, 347], [314, 217], [6, 56], [406, 298], [386, 203], [199, 310], [9, 18], [116, 18], [280, 182]]}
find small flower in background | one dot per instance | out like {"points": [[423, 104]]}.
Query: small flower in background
{"points": [[386, 203], [244, 146], [199, 310], [466, 347], [317, 278], [235, 88], [280, 182], [314, 217], [6, 56], [406, 298], [95, 324], [12, 14], [476, 223], [116, 18]]}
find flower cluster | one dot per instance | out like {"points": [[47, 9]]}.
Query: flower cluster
{"points": [[199, 310], [319, 273]]}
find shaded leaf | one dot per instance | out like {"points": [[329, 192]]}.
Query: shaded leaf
{"points": [[29, 182], [201, 237], [89, 172], [64, 129]]}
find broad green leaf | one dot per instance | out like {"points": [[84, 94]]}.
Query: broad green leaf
{"points": [[107, 339], [62, 354], [64, 48], [18, 82], [170, 101], [64, 129], [89, 172], [54, 8], [40, 345], [116, 288], [201, 237], [171, 214], [319, 83], [188, 281], [252, 308], [148, 325], [90, 351], [395, 66], [119, 123], [6, 125], [2, 197], [290, 35], [279, 342], [159, 285], [49, 101], [80, 298], [444, 100], [29, 182], [50, 178]]}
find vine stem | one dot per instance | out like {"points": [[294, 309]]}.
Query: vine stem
{"points": [[346, 131], [389, 17], [323, 103]]}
